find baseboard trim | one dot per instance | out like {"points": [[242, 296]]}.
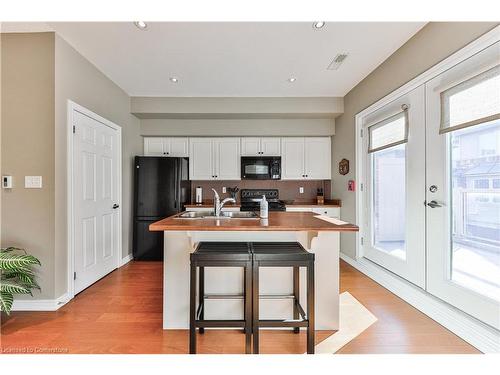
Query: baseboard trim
{"points": [[481, 336], [40, 304], [126, 259]]}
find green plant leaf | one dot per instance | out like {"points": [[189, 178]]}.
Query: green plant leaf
{"points": [[27, 279], [10, 261], [11, 248], [6, 300], [13, 288]]}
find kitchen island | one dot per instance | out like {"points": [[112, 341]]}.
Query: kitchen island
{"points": [[318, 234]]}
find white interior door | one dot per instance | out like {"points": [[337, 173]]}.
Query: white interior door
{"points": [[394, 194], [463, 185], [96, 227]]}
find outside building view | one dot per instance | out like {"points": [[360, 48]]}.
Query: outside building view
{"points": [[475, 163]]}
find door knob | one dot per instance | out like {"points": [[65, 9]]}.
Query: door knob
{"points": [[115, 206], [433, 204]]}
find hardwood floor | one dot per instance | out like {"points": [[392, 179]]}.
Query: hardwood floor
{"points": [[122, 313]]}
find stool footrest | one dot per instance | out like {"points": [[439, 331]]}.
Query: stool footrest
{"points": [[220, 323], [240, 296], [283, 323]]}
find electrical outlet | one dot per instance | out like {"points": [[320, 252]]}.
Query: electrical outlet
{"points": [[301, 190], [224, 190]]}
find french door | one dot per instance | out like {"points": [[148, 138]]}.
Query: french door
{"points": [[394, 144], [463, 192], [432, 176]]}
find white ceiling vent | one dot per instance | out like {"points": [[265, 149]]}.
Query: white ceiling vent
{"points": [[339, 59]]}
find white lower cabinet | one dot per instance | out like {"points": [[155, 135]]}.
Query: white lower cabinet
{"points": [[214, 159], [326, 211]]}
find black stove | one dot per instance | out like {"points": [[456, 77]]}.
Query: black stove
{"points": [[250, 199]]}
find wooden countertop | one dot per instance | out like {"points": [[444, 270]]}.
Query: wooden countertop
{"points": [[277, 221]]}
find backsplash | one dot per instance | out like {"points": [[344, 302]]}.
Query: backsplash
{"points": [[289, 190]]}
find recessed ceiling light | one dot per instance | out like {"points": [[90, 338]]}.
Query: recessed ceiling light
{"points": [[174, 79], [318, 25], [292, 79], [141, 25]]}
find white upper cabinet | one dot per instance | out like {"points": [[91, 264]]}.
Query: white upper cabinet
{"points": [[260, 146], [306, 158], [162, 146], [270, 146], [250, 146], [179, 147], [227, 158], [317, 158], [154, 146], [292, 158], [201, 159], [214, 159]]}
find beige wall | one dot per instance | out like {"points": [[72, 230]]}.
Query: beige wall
{"points": [[27, 148], [40, 72], [238, 127], [80, 81], [433, 43], [236, 107]]}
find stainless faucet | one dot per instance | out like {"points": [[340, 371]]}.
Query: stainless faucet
{"points": [[218, 204]]}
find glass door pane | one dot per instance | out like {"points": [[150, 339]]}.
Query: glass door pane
{"points": [[475, 208], [463, 211], [394, 234], [389, 200]]}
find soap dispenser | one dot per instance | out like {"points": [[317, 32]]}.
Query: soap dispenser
{"points": [[264, 208]]}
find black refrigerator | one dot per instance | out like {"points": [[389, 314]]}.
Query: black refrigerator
{"points": [[161, 189]]}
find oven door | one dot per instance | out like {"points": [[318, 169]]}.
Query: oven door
{"points": [[254, 168]]}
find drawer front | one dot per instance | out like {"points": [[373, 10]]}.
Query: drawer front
{"points": [[327, 211], [299, 209]]}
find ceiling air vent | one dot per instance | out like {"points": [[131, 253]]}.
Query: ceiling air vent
{"points": [[339, 59]]}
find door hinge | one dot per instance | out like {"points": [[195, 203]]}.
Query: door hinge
{"points": [[361, 133], [361, 186], [74, 129], [362, 241], [74, 275]]}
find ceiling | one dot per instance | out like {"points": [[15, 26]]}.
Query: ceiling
{"points": [[235, 59]]}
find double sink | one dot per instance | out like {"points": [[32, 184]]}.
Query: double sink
{"points": [[223, 215]]}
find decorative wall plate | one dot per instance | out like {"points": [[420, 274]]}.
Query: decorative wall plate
{"points": [[344, 167]]}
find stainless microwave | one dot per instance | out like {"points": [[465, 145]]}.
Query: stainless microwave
{"points": [[261, 168]]}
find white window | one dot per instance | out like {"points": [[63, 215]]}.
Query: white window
{"points": [[390, 132], [474, 101]]}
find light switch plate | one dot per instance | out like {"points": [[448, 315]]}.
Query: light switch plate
{"points": [[301, 190], [33, 182], [7, 182]]}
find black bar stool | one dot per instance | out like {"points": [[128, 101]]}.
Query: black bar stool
{"points": [[284, 254], [219, 254]]}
